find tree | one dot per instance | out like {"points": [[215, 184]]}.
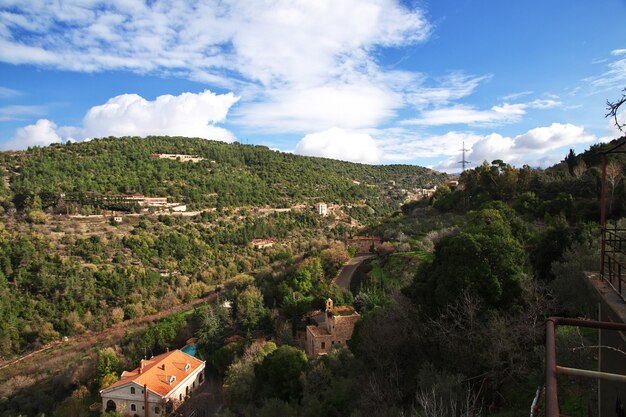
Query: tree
{"points": [[485, 260], [215, 320], [570, 160], [250, 308], [239, 380], [108, 367], [613, 173], [279, 373]]}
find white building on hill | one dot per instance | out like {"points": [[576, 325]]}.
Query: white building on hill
{"points": [[147, 390]]}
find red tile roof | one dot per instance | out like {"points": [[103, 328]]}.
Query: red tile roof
{"points": [[157, 373]]}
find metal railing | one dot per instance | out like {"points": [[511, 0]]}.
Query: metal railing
{"points": [[553, 370], [613, 269]]}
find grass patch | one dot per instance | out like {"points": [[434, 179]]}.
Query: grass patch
{"points": [[423, 255]]}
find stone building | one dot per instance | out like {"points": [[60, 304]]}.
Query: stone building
{"points": [[164, 381], [335, 329]]}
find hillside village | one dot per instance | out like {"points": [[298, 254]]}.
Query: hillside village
{"points": [[155, 311]]}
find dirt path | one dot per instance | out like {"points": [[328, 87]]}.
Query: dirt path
{"points": [[55, 357]]}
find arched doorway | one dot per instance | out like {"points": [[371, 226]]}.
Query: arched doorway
{"points": [[111, 406]]}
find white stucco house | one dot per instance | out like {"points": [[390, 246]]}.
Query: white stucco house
{"points": [[164, 381]]}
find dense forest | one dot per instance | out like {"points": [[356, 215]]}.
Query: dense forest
{"points": [[452, 305]]}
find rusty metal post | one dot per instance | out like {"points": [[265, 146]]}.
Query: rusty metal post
{"points": [[552, 400], [602, 215]]}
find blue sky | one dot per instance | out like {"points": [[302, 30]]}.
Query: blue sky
{"points": [[374, 81]]}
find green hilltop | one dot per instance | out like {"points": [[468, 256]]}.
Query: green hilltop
{"points": [[227, 175]]}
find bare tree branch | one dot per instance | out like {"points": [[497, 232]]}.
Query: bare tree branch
{"points": [[613, 108]]}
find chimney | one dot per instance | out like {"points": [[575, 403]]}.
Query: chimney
{"points": [[167, 349], [164, 367], [140, 370]]}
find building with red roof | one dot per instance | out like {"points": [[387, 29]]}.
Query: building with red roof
{"points": [[164, 381]]}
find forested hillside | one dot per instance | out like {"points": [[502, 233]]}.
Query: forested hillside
{"points": [[229, 175], [63, 273], [452, 307]]}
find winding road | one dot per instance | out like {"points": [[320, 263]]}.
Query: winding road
{"points": [[344, 276]]}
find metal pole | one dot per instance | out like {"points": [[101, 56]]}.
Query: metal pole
{"points": [[552, 400], [602, 215], [599, 360], [605, 376]]}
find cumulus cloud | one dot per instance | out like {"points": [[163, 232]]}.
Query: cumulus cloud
{"points": [[42, 133], [340, 144], [537, 147], [188, 114]]}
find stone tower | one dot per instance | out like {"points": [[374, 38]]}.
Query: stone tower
{"points": [[330, 316]]}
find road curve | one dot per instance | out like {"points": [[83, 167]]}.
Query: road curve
{"points": [[344, 276]]}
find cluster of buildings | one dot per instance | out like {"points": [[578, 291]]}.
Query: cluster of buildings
{"points": [[178, 157], [148, 202], [159, 385]]}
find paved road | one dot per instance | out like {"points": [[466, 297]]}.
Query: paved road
{"points": [[344, 276]]}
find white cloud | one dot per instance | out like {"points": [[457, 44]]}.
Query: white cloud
{"points": [[543, 104], [340, 144], [452, 87], [515, 96], [291, 62], [399, 144], [463, 114], [348, 106], [266, 41], [42, 133], [19, 112], [615, 76], [188, 114], [537, 147], [6, 92]]}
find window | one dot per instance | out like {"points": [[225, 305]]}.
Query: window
{"points": [[180, 397], [323, 345], [157, 410], [201, 377], [132, 390], [133, 407]]}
